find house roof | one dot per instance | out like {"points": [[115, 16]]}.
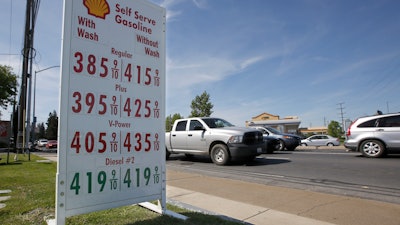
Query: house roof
{"points": [[265, 114], [275, 122]]}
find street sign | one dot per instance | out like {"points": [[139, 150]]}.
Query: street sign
{"points": [[112, 107]]}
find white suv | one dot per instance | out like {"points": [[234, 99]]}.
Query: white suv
{"points": [[374, 136]]}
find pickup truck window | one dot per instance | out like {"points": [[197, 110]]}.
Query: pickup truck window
{"points": [[262, 130], [215, 122], [194, 123], [181, 126]]}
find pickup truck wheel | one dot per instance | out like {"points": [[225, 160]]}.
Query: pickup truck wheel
{"points": [[220, 155], [167, 154]]}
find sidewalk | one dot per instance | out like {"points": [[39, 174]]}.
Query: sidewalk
{"points": [[263, 205]]}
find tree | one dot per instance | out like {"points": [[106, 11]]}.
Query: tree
{"points": [[41, 131], [169, 121], [334, 129], [8, 86], [52, 126], [201, 106]]}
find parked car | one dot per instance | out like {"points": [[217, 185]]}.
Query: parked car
{"points": [[374, 136], [272, 144], [320, 140], [51, 144], [287, 141], [42, 142]]}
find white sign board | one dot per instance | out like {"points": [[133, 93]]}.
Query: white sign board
{"points": [[112, 108]]}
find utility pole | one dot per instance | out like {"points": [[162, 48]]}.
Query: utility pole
{"points": [[342, 114], [20, 142], [28, 53]]}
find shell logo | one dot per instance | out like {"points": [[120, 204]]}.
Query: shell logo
{"points": [[97, 8]]}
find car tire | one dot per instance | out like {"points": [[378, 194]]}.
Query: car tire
{"points": [[330, 145], [167, 154], [303, 144], [220, 155], [281, 145], [372, 148]]}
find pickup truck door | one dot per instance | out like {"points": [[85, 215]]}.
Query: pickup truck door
{"points": [[179, 136], [195, 137]]}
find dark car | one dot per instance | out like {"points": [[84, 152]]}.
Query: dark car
{"points": [[51, 144], [272, 144], [287, 141]]}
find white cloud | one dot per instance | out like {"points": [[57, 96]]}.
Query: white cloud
{"points": [[202, 4]]}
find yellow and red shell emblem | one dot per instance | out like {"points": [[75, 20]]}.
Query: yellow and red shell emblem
{"points": [[97, 8]]}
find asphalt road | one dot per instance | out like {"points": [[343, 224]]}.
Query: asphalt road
{"points": [[322, 170], [333, 171]]}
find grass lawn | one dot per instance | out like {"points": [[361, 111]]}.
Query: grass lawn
{"points": [[32, 186]]}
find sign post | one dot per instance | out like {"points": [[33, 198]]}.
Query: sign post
{"points": [[112, 106]]}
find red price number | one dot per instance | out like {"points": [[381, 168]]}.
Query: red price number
{"points": [[89, 142], [90, 64], [137, 74], [140, 142], [87, 102], [137, 108]]}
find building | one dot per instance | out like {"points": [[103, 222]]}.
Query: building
{"points": [[313, 130], [289, 124]]}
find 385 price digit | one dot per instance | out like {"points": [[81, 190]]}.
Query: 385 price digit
{"points": [[90, 65]]}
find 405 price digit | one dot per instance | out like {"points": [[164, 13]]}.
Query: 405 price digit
{"points": [[90, 141]]}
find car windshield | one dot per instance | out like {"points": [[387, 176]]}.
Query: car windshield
{"points": [[273, 130], [217, 123]]}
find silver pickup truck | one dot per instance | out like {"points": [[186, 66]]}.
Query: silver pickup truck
{"points": [[215, 137]]}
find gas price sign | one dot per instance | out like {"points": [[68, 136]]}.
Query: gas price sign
{"points": [[111, 131]]}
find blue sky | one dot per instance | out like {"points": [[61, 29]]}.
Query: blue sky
{"points": [[288, 58]]}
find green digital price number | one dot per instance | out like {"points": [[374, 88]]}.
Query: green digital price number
{"points": [[144, 177]]}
